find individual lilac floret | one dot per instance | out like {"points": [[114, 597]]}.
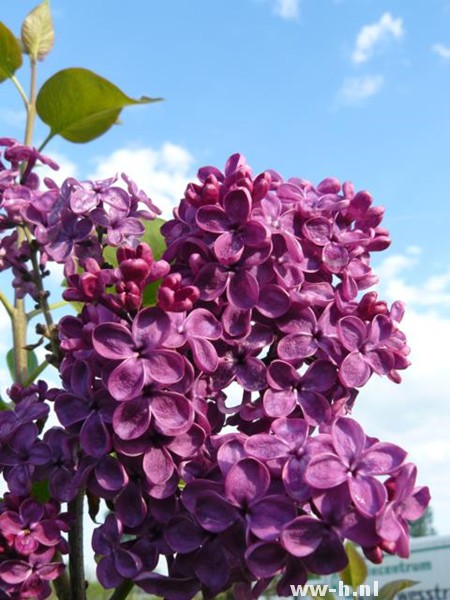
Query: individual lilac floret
{"points": [[285, 445], [197, 329], [355, 461], [234, 225], [117, 563], [406, 503], [141, 352], [288, 389]]}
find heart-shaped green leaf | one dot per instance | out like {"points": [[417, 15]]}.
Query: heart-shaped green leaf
{"points": [[37, 32], [10, 53], [355, 572], [79, 105], [391, 589]]}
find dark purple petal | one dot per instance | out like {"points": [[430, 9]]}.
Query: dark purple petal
{"points": [[354, 370], [302, 536], [273, 301], [294, 478], [251, 374], [243, 290], [170, 588], [130, 505], [211, 566], [204, 353], [131, 419], [348, 439], [315, 407], [246, 481], [110, 474], [14, 571], [265, 559], [150, 328], [368, 494], [94, 436], [173, 412], [107, 573], [293, 432], [381, 459], [279, 403], [184, 535], [237, 205], [326, 471], [266, 447], [269, 515], [164, 366], [158, 465], [213, 219], [282, 375], [113, 341], [71, 409], [228, 248], [126, 381], [295, 347], [214, 513]]}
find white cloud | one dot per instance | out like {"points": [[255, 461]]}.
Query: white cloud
{"points": [[355, 90], [416, 413], [371, 36], [432, 293], [441, 50], [287, 9], [14, 118], [67, 168], [162, 173]]}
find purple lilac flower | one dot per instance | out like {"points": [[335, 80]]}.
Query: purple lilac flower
{"points": [[356, 462]]}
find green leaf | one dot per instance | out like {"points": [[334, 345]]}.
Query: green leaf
{"points": [[355, 572], [391, 589], [79, 105], [10, 53], [154, 238], [37, 32], [32, 362], [40, 491]]}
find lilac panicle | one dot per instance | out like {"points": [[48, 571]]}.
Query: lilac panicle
{"points": [[261, 321]]}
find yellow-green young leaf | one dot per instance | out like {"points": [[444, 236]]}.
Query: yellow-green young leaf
{"points": [[391, 589], [152, 236], [155, 240], [10, 53], [355, 572], [79, 105], [32, 362], [37, 32]]}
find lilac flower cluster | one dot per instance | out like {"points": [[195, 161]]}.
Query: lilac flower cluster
{"points": [[258, 326]]}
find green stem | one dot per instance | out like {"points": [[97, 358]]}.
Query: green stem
{"points": [[31, 105], [42, 293], [62, 584], [76, 561], [39, 311], [122, 591], [46, 141], [35, 374], [19, 327], [20, 89], [7, 304]]}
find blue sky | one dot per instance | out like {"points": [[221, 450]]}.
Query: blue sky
{"points": [[357, 89]]}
